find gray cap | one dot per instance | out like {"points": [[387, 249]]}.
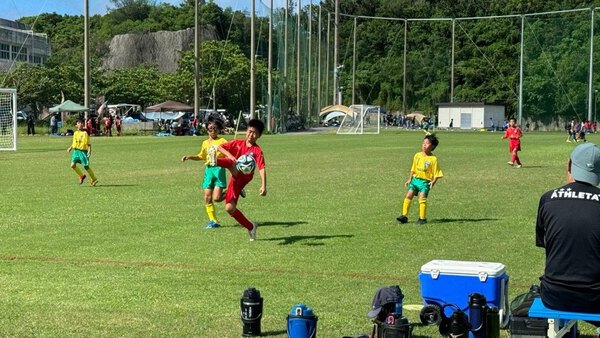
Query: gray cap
{"points": [[585, 163]]}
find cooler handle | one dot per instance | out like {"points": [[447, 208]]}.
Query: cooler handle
{"points": [[504, 311]]}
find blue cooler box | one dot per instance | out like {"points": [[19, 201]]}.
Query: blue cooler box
{"points": [[446, 281]]}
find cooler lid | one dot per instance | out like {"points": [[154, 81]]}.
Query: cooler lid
{"points": [[449, 267]]}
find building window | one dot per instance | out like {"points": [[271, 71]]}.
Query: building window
{"points": [[19, 54], [4, 51]]}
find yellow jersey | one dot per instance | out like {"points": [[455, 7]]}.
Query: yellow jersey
{"points": [[81, 140], [207, 144], [426, 167]]}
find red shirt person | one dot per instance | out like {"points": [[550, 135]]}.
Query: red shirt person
{"points": [[514, 134]]}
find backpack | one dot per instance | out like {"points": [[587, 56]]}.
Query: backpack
{"points": [[519, 307]]}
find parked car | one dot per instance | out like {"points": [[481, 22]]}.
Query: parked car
{"points": [[21, 115]]}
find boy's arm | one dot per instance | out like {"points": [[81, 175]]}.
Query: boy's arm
{"points": [[193, 158], [432, 183], [89, 150], [69, 149], [227, 153], [410, 176], [263, 182]]}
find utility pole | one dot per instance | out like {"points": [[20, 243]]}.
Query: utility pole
{"points": [[86, 56]]}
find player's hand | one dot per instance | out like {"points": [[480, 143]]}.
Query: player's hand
{"points": [[407, 183], [89, 154], [183, 159], [262, 191]]}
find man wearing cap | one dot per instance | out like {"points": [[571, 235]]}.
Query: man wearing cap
{"points": [[568, 227]]}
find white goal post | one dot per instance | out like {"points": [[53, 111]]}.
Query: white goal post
{"points": [[361, 119], [8, 119]]}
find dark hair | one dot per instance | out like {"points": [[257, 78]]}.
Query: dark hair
{"points": [[80, 120], [216, 121], [257, 124], [433, 140]]}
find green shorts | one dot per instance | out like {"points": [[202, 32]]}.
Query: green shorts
{"points": [[80, 156], [214, 177], [419, 185]]}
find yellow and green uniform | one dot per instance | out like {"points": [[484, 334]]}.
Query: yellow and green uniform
{"points": [[80, 145], [424, 169], [213, 175]]}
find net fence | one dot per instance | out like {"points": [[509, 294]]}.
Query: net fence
{"points": [[8, 119]]}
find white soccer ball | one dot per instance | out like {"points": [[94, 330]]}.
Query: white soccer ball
{"points": [[246, 164]]}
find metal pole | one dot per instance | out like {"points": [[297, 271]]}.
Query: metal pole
{"points": [[86, 56], [590, 82], [336, 55], [270, 75], [309, 66], [327, 64], [595, 103], [404, 105], [197, 58], [298, 54], [521, 70], [354, 62], [252, 59], [452, 63], [319, 88]]}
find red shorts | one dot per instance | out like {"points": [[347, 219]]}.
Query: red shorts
{"points": [[514, 145], [236, 182]]}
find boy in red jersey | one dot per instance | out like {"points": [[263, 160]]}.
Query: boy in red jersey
{"points": [[513, 133], [232, 151]]}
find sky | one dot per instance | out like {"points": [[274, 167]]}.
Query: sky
{"points": [[15, 9]]}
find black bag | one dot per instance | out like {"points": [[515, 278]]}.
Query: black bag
{"points": [[519, 307]]}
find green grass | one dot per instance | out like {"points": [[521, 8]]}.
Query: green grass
{"points": [[129, 257]]}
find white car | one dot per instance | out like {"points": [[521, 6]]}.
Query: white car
{"points": [[21, 115]]}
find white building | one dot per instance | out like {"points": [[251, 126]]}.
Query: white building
{"points": [[470, 115], [20, 44]]}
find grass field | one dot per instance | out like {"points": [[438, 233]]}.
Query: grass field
{"points": [[130, 257]]}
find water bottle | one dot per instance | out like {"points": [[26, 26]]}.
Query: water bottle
{"points": [[492, 322], [477, 306], [398, 308]]}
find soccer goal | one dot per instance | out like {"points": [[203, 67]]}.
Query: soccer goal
{"points": [[361, 119], [8, 119]]}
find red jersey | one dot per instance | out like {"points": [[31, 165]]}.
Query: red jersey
{"points": [[513, 133], [238, 148]]}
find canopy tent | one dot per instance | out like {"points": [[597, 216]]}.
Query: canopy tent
{"points": [[68, 106], [333, 115], [418, 117], [170, 106], [335, 108], [166, 115]]}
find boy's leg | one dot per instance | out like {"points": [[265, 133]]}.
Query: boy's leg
{"points": [[422, 206], [405, 207], [209, 206], [94, 180], [78, 172], [226, 163]]}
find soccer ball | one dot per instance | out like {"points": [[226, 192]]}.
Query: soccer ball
{"points": [[246, 164]]}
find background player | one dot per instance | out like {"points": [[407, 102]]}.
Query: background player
{"points": [[82, 150], [514, 134]]}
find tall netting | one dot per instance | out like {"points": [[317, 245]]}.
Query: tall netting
{"points": [[8, 119], [556, 65], [300, 55]]}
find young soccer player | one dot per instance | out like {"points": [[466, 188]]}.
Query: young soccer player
{"points": [[82, 150], [514, 134], [214, 176], [424, 173], [232, 151]]}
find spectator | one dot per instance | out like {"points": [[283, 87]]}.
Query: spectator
{"points": [[53, 125], [567, 228], [30, 124]]}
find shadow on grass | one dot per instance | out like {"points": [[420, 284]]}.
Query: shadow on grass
{"points": [[451, 220], [281, 223], [100, 185], [272, 333], [293, 239]]}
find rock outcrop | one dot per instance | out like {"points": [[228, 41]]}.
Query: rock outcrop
{"points": [[159, 48]]}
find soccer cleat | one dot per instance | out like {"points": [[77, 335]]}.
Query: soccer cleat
{"points": [[211, 153], [510, 163], [519, 165], [212, 225], [402, 219], [93, 183], [252, 233], [421, 221], [81, 179], [243, 193]]}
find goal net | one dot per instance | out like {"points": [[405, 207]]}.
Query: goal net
{"points": [[8, 119], [361, 119]]}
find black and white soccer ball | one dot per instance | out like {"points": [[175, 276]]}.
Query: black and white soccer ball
{"points": [[246, 164]]}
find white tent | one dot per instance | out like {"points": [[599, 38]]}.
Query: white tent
{"points": [[163, 115], [333, 115]]}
